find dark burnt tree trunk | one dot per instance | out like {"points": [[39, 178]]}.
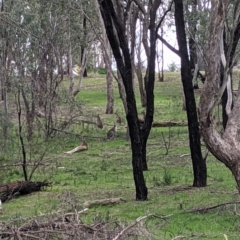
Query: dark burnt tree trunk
{"points": [[116, 31], [122, 55], [199, 164]]}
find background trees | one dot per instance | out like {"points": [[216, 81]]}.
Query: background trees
{"points": [[39, 47]]}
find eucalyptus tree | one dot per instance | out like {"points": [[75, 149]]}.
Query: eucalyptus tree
{"points": [[5, 64], [35, 41], [115, 15], [79, 38], [199, 164], [224, 143]]}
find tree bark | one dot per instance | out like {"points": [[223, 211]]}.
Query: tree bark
{"points": [[232, 50], [199, 164], [82, 47], [110, 97], [225, 146], [192, 45]]}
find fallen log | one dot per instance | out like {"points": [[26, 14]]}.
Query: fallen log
{"points": [[169, 124], [13, 189], [106, 201], [164, 124]]}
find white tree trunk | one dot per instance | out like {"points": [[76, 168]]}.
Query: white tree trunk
{"points": [[226, 146]]}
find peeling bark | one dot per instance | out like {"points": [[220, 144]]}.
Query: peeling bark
{"points": [[226, 146]]}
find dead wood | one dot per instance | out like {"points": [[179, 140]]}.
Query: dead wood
{"points": [[13, 189], [81, 148], [169, 124], [207, 209], [106, 201], [164, 124], [67, 226], [138, 220]]}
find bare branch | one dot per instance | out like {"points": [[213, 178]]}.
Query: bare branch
{"points": [[168, 45], [164, 15], [138, 220]]}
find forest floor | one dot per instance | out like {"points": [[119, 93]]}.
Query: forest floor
{"points": [[175, 210]]}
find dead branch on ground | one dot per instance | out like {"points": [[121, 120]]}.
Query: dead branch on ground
{"points": [[138, 220], [67, 226], [13, 189], [107, 201], [207, 209], [169, 124]]}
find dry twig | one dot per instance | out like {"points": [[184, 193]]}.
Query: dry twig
{"points": [[138, 220]]}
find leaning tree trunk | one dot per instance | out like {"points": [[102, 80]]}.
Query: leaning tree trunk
{"points": [[225, 146], [199, 164]]}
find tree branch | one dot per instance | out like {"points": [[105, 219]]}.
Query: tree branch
{"points": [[164, 15], [140, 6], [168, 45], [138, 220]]}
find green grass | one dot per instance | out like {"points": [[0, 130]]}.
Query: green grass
{"points": [[105, 171]]}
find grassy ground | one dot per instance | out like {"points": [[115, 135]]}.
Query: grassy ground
{"points": [[104, 171]]}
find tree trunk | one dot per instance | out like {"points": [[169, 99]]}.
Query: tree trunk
{"points": [[80, 77], [106, 52], [82, 47], [123, 59], [232, 50], [138, 69], [225, 146], [141, 189], [110, 97], [122, 95], [115, 25], [142, 91], [70, 67], [199, 164]]}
